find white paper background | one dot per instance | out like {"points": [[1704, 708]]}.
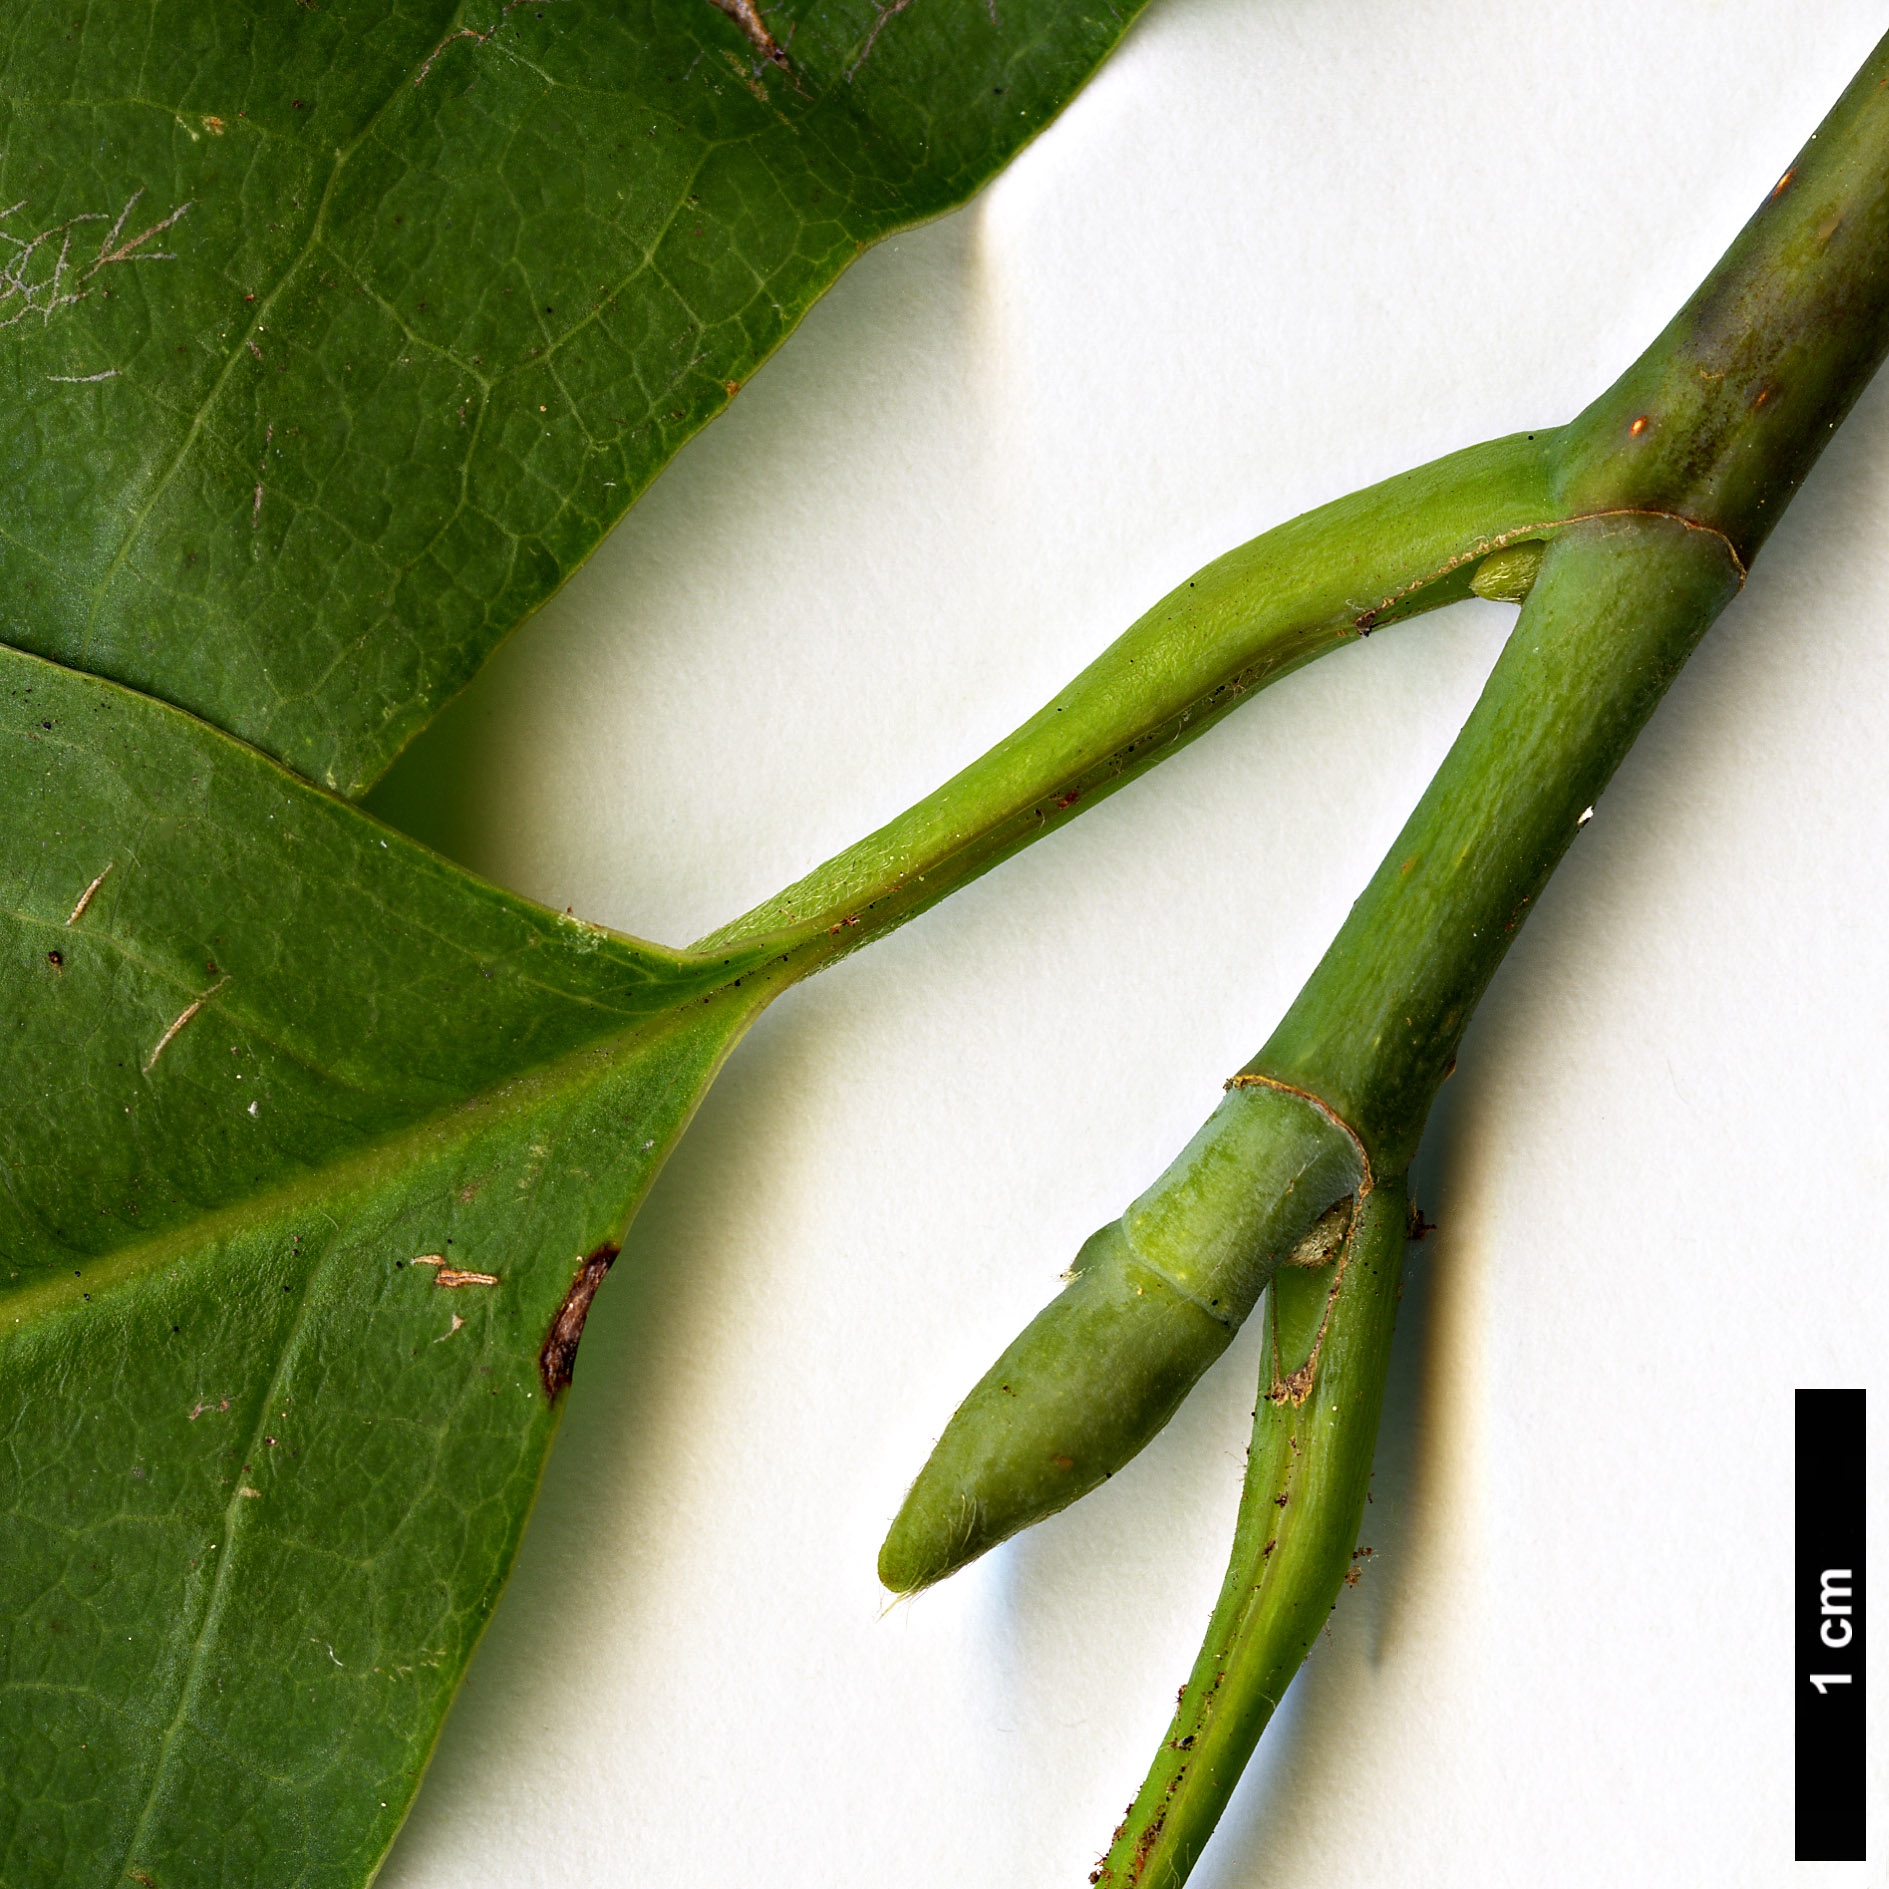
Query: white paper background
{"points": [[1278, 249]]}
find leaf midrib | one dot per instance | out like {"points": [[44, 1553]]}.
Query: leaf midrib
{"points": [[388, 1156], [264, 1030], [233, 1526]]}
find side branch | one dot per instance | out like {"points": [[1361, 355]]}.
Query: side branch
{"points": [[1307, 1474]]}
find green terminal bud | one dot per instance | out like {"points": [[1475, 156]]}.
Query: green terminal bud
{"points": [[1152, 1300]]}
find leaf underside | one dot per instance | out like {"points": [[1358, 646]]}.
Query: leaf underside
{"points": [[333, 339], [263, 1474]]}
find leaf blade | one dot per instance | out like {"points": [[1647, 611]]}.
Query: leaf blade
{"points": [[253, 1451], [300, 460]]}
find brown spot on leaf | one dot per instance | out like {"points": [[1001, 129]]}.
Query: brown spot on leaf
{"points": [[559, 1356]]}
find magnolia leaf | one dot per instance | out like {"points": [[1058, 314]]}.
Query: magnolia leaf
{"points": [[333, 339], [1596, 1350], [316, 1151]]}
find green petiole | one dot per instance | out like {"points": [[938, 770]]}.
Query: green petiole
{"points": [[1309, 586]]}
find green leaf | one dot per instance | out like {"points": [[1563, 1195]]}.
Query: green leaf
{"points": [[334, 339], [945, 1125], [310, 1136]]}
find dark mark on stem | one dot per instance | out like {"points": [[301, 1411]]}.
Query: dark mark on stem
{"points": [[559, 1355]]}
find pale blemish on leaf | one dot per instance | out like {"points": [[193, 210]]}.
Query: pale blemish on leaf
{"points": [[453, 1275], [41, 275], [747, 16], [472, 33], [183, 1017], [885, 12], [85, 897]]}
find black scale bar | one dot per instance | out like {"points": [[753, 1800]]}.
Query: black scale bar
{"points": [[1829, 1592]]}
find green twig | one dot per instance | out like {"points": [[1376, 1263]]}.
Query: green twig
{"points": [[1616, 609], [1659, 495]]}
